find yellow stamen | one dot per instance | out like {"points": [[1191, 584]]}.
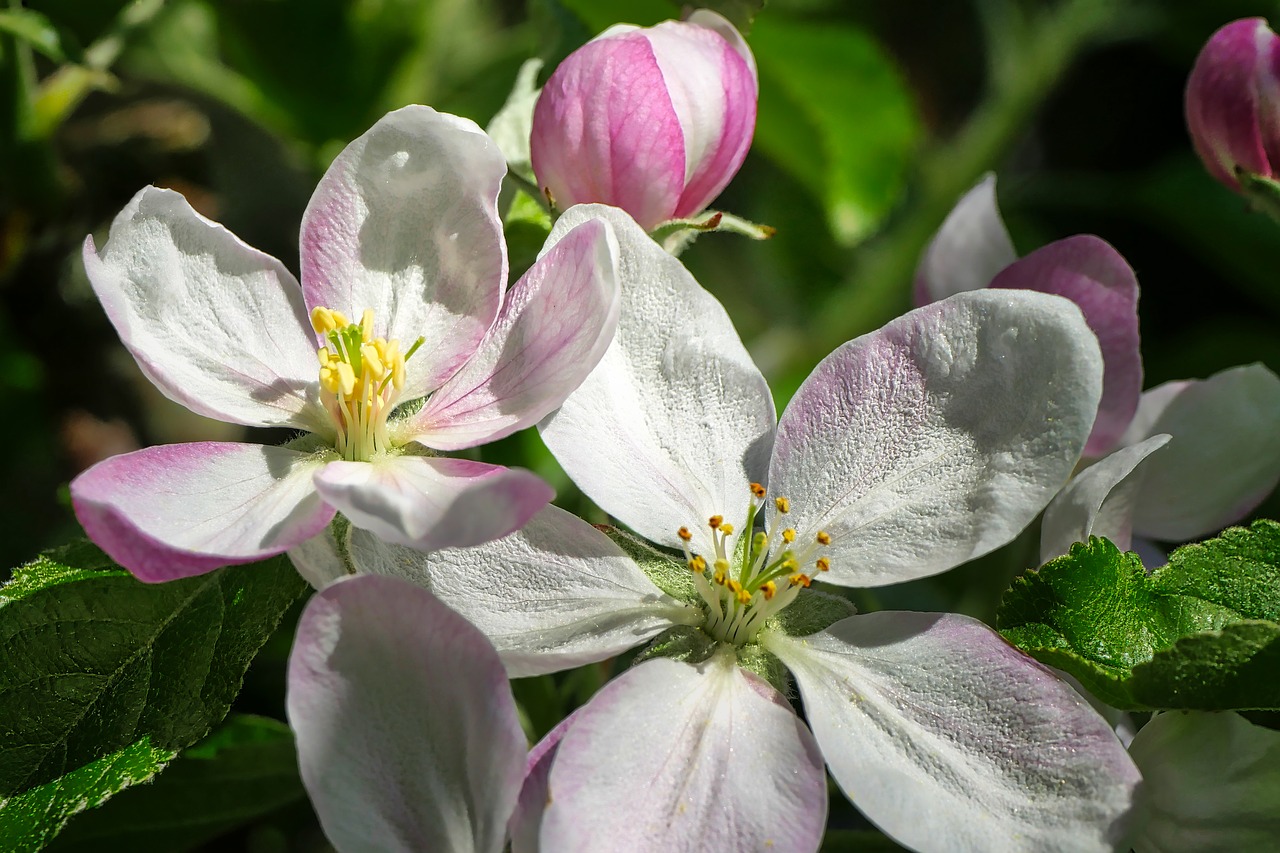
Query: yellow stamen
{"points": [[799, 579], [684, 534], [789, 535], [783, 505], [757, 490], [770, 589], [823, 564], [726, 529], [824, 538], [715, 521], [698, 564]]}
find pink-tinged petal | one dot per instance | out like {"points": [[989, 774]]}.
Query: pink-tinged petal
{"points": [[676, 420], [945, 736], [554, 326], [604, 130], [1099, 501], [713, 92], [430, 502], [1211, 783], [1089, 272], [217, 325], [526, 821], [939, 437], [553, 595], [405, 222], [178, 510], [969, 250], [679, 758], [1226, 91], [1224, 457], [408, 737]]}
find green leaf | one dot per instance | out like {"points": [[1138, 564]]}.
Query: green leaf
{"points": [[835, 112], [1202, 632], [95, 660], [28, 821], [246, 769]]}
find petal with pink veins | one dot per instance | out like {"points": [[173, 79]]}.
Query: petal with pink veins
{"points": [[686, 759], [676, 420], [555, 324], [433, 502], [405, 222], [939, 437], [217, 325], [1093, 275], [178, 510], [936, 728], [408, 737]]}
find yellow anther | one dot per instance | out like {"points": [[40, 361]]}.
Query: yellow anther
{"points": [[726, 529], [743, 596], [715, 521], [721, 565], [684, 534], [366, 325], [397, 373], [734, 586], [789, 564], [757, 490], [770, 589], [824, 538], [799, 579], [719, 578], [372, 362], [823, 564], [697, 564], [783, 505], [324, 356], [346, 377], [322, 320], [789, 535]]}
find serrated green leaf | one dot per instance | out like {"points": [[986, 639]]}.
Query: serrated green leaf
{"points": [[245, 769], [1202, 632], [835, 113], [94, 660], [28, 821]]}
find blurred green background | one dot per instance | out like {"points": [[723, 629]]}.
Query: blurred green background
{"points": [[874, 117]]}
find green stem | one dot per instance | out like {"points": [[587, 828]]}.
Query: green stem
{"points": [[1023, 75]]}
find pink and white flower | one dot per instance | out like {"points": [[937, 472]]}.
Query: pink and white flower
{"points": [[1223, 449], [1233, 102], [654, 120], [402, 235], [906, 452]]}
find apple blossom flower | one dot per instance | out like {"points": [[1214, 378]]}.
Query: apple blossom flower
{"points": [[654, 120], [1224, 456], [1233, 102], [408, 736], [906, 452], [403, 295]]}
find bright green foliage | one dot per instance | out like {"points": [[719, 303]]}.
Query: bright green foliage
{"points": [[1202, 632], [28, 821], [94, 660], [836, 113], [246, 769]]}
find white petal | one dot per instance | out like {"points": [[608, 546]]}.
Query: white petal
{"points": [[1212, 783], [682, 759], [1224, 457], [217, 325], [433, 502], [408, 738], [1099, 501], [676, 420], [939, 437], [405, 222], [946, 737], [969, 249], [553, 595]]}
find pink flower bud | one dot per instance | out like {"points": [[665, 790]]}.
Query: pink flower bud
{"points": [[1233, 101], [654, 121]]}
